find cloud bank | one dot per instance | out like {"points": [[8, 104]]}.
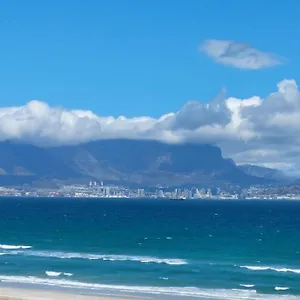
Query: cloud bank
{"points": [[254, 130], [239, 55]]}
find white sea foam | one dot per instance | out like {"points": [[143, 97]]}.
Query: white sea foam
{"points": [[217, 294], [104, 257], [281, 288], [14, 247], [247, 285], [163, 278], [52, 274], [276, 269], [56, 274]]}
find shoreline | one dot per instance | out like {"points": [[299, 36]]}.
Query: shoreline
{"points": [[153, 198], [11, 293]]}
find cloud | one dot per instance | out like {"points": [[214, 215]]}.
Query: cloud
{"points": [[254, 130], [239, 55]]}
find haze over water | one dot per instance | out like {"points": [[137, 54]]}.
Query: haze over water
{"points": [[161, 248]]}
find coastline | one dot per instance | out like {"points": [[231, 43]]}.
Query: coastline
{"points": [[12, 293]]}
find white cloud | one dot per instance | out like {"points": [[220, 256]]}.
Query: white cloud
{"points": [[255, 130], [239, 55]]}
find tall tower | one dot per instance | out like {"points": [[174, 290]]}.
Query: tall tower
{"points": [[141, 192]]}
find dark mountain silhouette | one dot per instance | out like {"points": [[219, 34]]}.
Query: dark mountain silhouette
{"points": [[119, 161], [22, 163]]}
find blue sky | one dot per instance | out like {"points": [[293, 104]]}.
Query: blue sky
{"points": [[129, 57], [145, 58]]}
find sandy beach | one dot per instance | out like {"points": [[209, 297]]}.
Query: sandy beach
{"points": [[29, 294]]}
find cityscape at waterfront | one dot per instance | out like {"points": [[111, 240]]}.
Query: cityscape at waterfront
{"points": [[101, 190]]}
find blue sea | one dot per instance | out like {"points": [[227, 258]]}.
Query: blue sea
{"points": [[164, 249]]}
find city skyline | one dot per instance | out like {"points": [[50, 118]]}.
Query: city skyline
{"points": [[100, 190]]}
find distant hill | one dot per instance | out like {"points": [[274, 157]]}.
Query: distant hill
{"points": [[263, 172], [22, 163], [120, 161]]}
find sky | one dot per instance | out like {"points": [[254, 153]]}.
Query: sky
{"points": [[222, 72]]}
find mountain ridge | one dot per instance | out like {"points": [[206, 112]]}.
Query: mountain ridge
{"points": [[265, 172], [123, 161]]}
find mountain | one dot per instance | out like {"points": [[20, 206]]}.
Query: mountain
{"points": [[119, 161], [263, 172], [22, 163]]}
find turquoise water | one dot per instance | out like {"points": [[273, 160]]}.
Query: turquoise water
{"points": [[192, 249]]}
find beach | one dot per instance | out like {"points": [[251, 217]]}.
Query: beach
{"points": [[7, 293]]}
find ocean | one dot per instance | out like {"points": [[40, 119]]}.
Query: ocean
{"points": [[193, 249]]}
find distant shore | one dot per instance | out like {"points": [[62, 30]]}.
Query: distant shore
{"points": [[7, 293], [287, 198]]}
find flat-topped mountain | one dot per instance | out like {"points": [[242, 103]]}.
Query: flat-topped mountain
{"points": [[119, 161]]}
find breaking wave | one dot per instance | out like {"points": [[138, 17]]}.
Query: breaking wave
{"points": [[281, 288], [170, 291], [247, 285], [56, 274], [52, 274], [104, 257], [266, 268], [14, 247]]}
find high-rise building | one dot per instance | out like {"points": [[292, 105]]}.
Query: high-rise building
{"points": [[160, 194], [141, 193], [107, 191], [208, 193], [186, 194], [177, 193]]}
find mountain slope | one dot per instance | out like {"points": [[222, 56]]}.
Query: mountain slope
{"points": [[263, 172], [22, 163], [151, 162], [120, 161]]}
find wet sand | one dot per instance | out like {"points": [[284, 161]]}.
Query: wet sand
{"points": [[29, 294]]}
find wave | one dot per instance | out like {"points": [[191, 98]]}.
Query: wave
{"points": [[14, 247], [56, 274], [247, 285], [281, 288], [216, 294], [157, 290], [266, 268], [104, 257], [53, 274]]}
